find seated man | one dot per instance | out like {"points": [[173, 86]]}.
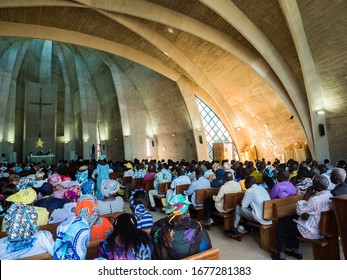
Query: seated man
{"points": [[200, 183], [338, 177], [182, 179], [215, 203], [140, 171], [251, 207], [164, 175], [315, 201]]}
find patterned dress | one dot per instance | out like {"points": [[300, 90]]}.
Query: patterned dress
{"points": [[104, 252], [183, 238]]}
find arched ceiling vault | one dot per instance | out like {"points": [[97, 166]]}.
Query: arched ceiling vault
{"points": [[239, 53]]}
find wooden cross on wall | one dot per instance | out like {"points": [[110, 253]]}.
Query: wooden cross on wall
{"points": [[40, 103]]}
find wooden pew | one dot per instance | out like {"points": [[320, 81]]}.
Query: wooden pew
{"points": [[162, 189], [273, 210], [340, 209], [201, 195], [116, 175], [210, 254], [231, 200], [181, 188], [136, 182], [149, 185], [326, 248], [126, 180]]}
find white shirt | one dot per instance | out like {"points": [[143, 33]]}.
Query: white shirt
{"points": [[228, 187], [255, 197]]}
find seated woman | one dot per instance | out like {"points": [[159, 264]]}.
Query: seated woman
{"points": [[23, 237], [126, 241], [87, 207], [111, 203], [178, 236], [28, 197], [47, 200]]}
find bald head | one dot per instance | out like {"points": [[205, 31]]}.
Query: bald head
{"points": [[338, 175]]}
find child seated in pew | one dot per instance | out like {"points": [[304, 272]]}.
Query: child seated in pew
{"points": [[138, 200], [24, 239], [126, 242]]}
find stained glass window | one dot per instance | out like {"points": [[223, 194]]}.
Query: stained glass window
{"points": [[214, 128]]}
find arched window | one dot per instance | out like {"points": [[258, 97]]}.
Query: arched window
{"points": [[214, 128]]}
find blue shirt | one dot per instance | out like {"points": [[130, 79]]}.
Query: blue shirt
{"points": [[201, 183]]}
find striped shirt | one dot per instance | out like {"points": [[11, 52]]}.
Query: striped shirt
{"points": [[315, 205], [144, 218]]}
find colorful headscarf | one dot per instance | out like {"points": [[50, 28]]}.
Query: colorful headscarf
{"points": [[54, 179], [102, 157], [82, 176], [88, 186], [17, 169], [24, 196], [109, 187], [73, 193], [25, 182], [73, 236], [87, 207], [21, 223], [177, 205]]}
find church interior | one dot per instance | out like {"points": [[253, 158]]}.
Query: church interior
{"points": [[174, 79], [128, 77]]}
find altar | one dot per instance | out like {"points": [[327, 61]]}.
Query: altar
{"points": [[48, 159]]}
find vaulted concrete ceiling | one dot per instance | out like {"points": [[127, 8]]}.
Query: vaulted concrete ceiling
{"points": [[256, 63]]}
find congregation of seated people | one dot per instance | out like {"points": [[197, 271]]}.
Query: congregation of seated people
{"points": [[78, 195]]}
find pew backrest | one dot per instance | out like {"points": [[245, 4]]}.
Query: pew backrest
{"points": [[210, 254], [181, 188], [277, 208], [202, 194], [231, 200]]}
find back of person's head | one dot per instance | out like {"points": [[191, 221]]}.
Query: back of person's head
{"points": [[14, 178], [181, 171], [303, 164], [140, 166], [338, 175], [320, 183], [199, 172], [140, 197], [322, 168], [293, 166], [228, 176], [128, 236], [314, 171], [340, 164], [39, 175], [226, 165], [250, 181], [261, 166], [303, 172], [326, 161], [165, 165], [283, 175], [45, 189], [151, 168]]}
